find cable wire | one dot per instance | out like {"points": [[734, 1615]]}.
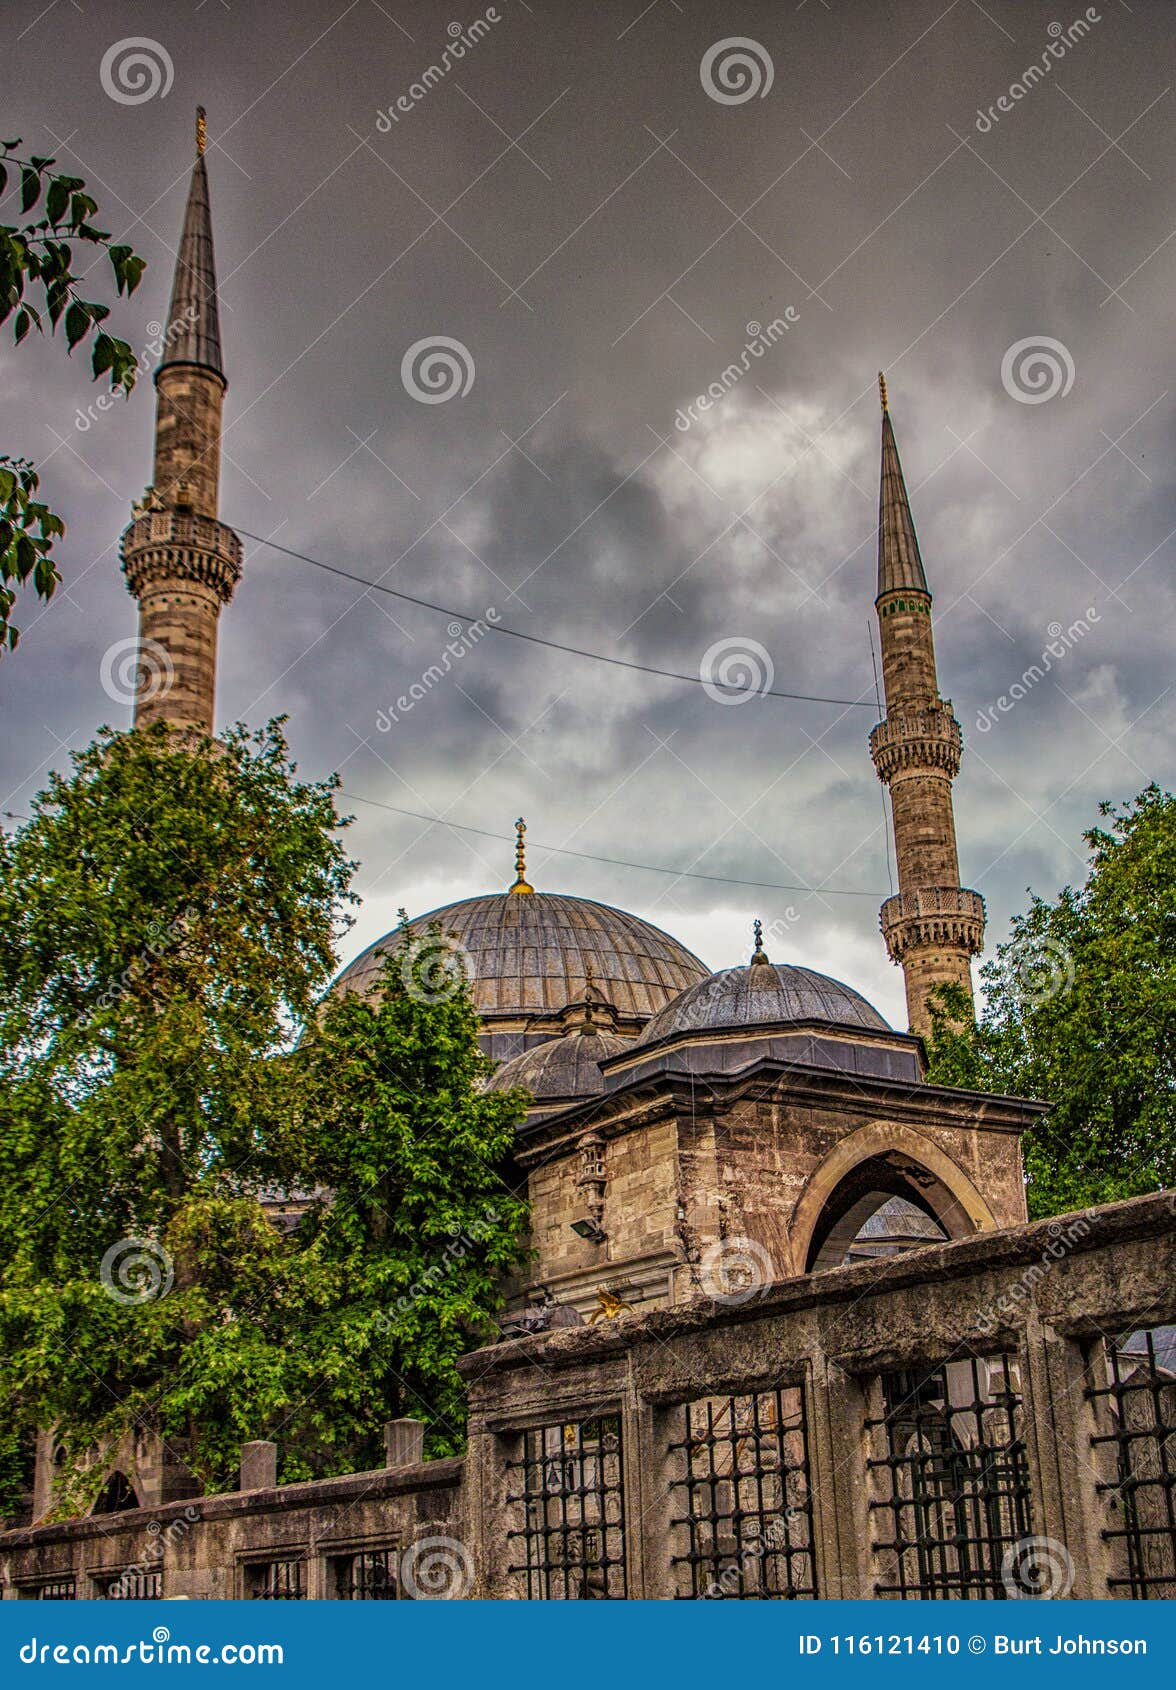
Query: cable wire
{"points": [[536, 639], [614, 862]]}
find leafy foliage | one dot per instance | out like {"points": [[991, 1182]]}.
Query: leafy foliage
{"points": [[1081, 1010], [38, 285], [155, 1100]]}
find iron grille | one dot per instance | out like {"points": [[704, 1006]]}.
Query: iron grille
{"points": [[64, 1589], [748, 1503], [367, 1576], [135, 1585], [573, 1540], [275, 1581], [953, 1479], [1136, 1419]]}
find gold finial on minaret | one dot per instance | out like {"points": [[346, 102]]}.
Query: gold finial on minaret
{"points": [[201, 132], [882, 391], [520, 884], [759, 955]]}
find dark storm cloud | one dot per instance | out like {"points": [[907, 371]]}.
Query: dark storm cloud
{"points": [[602, 270]]}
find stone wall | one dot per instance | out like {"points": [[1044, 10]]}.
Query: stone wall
{"points": [[942, 1423]]}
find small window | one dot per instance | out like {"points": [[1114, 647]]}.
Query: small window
{"points": [[744, 1517], [275, 1581], [568, 1483], [64, 1589], [951, 1480], [369, 1575], [133, 1584], [1134, 1397]]}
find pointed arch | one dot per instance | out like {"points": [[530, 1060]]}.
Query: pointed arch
{"points": [[117, 1495], [881, 1159]]}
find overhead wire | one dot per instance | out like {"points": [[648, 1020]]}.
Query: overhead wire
{"points": [[538, 639], [613, 862]]}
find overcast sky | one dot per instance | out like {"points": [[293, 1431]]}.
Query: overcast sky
{"points": [[572, 205]]}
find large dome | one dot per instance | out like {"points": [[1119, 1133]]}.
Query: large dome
{"points": [[530, 955], [762, 993]]}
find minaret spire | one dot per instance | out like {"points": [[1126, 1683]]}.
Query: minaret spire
{"points": [[899, 561], [179, 559], [933, 926], [193, 321]]}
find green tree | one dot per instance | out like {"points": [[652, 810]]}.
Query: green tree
{"points": [[1080, 1009], [168, 1068], [38, 285], [422, 1218], [166, 920]]}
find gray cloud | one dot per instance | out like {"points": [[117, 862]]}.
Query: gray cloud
{"points": [[600, 276]]}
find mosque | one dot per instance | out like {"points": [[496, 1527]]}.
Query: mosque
{"points": [[685, 1126]]}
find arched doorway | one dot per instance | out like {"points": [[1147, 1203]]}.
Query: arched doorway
{"points": [[880, 1208], [884, 1189]]}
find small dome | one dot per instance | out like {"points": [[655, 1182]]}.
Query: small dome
{"points": [[563, 1068], [763, 993]]}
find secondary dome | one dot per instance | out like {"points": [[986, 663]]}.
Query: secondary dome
{"points": [[532, 955], [763, 992], [562, 1069]]}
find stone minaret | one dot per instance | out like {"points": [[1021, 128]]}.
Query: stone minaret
{"points": [[180, 562], [933, 927]]}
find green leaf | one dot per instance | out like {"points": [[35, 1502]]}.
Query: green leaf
{"points": [[103, 357], [30, 189], [56, 200], [77, 323]]}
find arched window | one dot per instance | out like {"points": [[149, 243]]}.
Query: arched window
{"points": [[116, 1496]]}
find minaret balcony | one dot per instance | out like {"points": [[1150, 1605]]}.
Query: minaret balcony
{"points": [[166, 545], [931, 916], [917, 741]]}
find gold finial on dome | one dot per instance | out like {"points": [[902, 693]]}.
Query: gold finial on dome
{"points": [[882, 392], [759, 955], [201, 132], [520, 884]]}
